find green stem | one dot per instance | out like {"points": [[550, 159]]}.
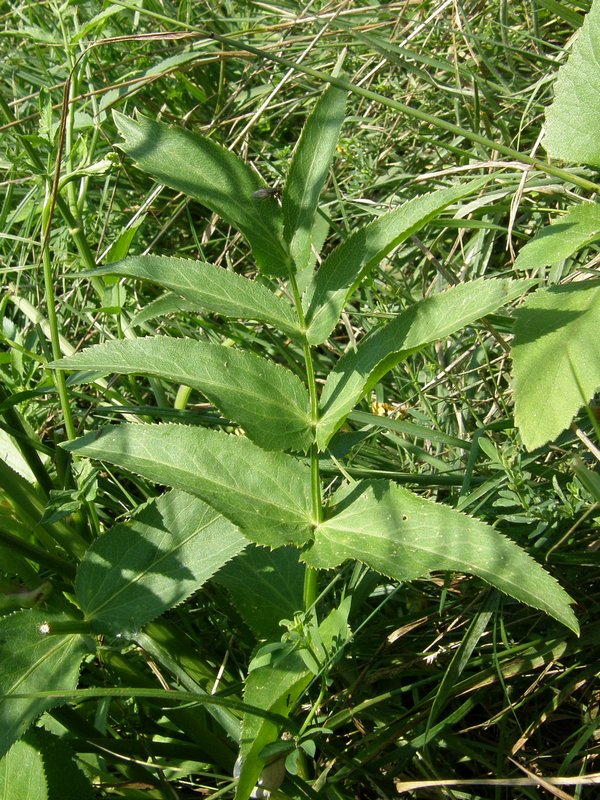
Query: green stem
{"points": [[315, 707], [61, 628], [310, 575], [53, 198], [182, 397], [58, 376], [67, 147], [75, 229]]}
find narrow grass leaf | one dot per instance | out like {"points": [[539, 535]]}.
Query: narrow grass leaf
{"points": [[568, 234], [404, 536], [424, 322], [32, 662], [139, 79], [351, 261], [266, 399], [137, 571], [267, 495], [556, 358], [210, 288], [266, 586], [573, 119], [275, 686], [217, 178], [308, 172]]}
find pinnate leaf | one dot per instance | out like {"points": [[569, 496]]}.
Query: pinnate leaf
{"points": [[137, 571], [573, 119], [32, 662], [556, 358], [424, 322], [266, 399], [266, 494], [404, 536], [216, 177], [210, 288], [351, 261]]}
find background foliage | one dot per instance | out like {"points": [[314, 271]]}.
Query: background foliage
{"points": [[437, 680]]}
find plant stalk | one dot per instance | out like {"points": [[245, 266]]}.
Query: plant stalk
{"points": [[310, 575]]}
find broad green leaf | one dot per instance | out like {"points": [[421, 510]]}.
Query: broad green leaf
{"points": [[556, 358], [217, 178], [32, 662], [308, 172], [568, 234], [351, 261], [275, 686], [573, 119], [405, 537], [267, 400], [22, 774], [211, 288], [267, 495], [63, 778], [137, 571], [266, 586], [424, 322]]}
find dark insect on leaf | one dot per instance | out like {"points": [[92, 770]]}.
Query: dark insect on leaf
{"points": [[262, 194]]}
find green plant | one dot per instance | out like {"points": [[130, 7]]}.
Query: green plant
{"points": [[370, 702], [264, 486]]}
